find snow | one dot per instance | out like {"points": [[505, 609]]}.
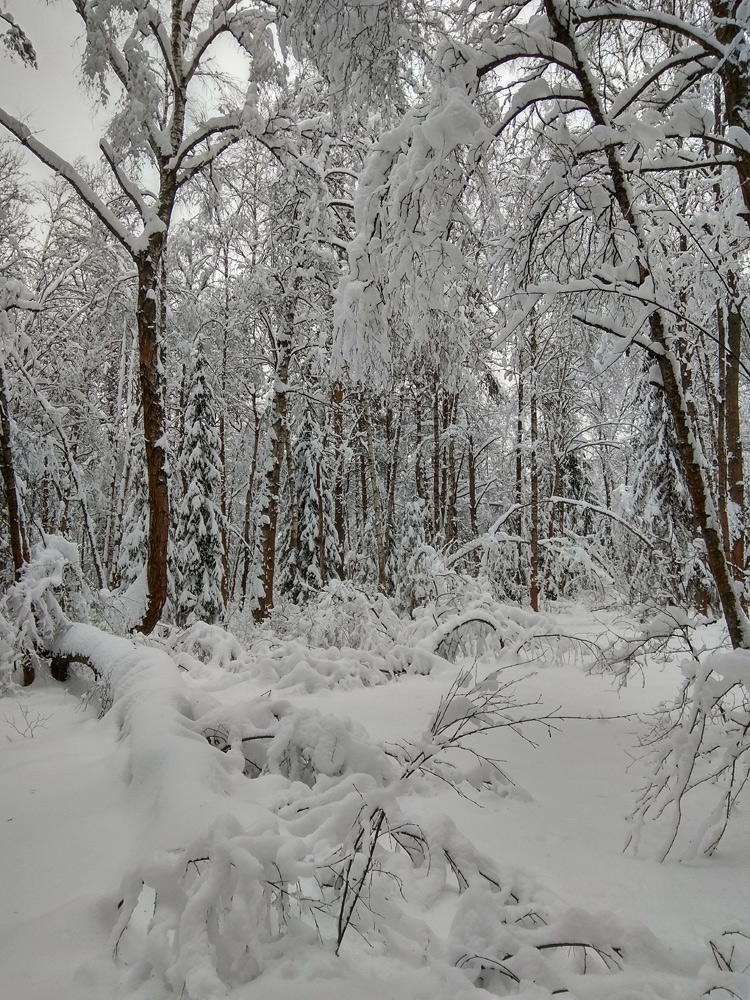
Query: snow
{"points": [[94, 809]]}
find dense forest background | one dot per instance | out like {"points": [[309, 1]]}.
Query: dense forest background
{"points": [[439, 291]]}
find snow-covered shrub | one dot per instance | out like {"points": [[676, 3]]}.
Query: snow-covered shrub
{"points": [[276, 737], [35, 608], [220, 907], [8, 685], [472, 623], [32, 602], [334, 848], [341, 615], [646, 631], [699, 754], [290, 663], [326, 851], [203, 643], [308, 744]]}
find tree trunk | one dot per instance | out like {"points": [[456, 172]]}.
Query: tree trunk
{"points": [[735, 470], [293, 511], [732, 70], [392, 476], [154, 433], [249, 505], [18, 545], [321, 526], [436, 458], [273, 475], [519, 464], [377, 513], [421, 492], [534, 478], [337, 399], [721, 430], [363, 486], [473, 520], [119, 447], [446, 408]]}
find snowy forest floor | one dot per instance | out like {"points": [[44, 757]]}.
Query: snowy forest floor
{"points": [[78, 811]]}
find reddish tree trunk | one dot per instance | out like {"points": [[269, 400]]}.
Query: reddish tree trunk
{"points": [[154, 433], [18, 546]]}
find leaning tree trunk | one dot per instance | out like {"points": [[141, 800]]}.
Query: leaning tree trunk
{"points": [[693, 460]]}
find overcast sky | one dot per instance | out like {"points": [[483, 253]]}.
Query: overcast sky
{"points": [[49, 99]]}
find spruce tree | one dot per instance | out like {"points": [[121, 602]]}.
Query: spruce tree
{"points": [[317, 556], [661, 499], [198, 547], [133, 550]]}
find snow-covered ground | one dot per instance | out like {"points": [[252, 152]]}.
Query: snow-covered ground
{"points": [[86, 803]]}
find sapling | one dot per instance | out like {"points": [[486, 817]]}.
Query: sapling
{"points": [[29, 723]]}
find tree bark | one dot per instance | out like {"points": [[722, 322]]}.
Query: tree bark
{"points": [[321, 526], [420, 487], [247, 555], [18, 545], [436, 458], [534, 477], [473, 520], [269, 518], [735, 470], [337, 399], [154, 434], [376, 508], [721, 431], [293, 510], [735, 82], [392, 476]]}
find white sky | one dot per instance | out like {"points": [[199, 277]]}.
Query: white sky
{"points": [[49, 99]]}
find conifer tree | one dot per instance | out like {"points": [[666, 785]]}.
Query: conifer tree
{"points": [[662, 501], [198, 548], [317, 556], [133, 551], [403, 563]]}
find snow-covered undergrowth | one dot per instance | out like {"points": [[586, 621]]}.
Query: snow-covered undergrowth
{"points": [[271, 840]]}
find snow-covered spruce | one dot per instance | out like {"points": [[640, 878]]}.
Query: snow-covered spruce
{"points": [[198, 539]]}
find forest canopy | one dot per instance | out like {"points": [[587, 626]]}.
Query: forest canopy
{"points": [[382, 338]]}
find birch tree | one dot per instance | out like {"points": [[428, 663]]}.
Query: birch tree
{"points": [[175, 114]]}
